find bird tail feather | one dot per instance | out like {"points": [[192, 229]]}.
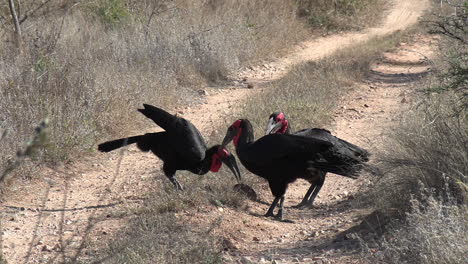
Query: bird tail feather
{"points": [[118, 143]]}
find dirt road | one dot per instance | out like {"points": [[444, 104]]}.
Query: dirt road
{"points": [[35, 227]]}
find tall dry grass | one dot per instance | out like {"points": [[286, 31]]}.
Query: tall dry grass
{"points": [[87, 66], [340, 14], [424, 190]]}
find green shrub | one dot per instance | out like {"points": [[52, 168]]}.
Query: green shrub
{"points": [[112, 12]]}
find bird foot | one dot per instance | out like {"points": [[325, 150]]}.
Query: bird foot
{"points": [[303, 206], [300, 206], [269, 214]]}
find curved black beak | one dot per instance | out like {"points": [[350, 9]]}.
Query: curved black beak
{"points": [[231, 132], [273, 126], [231, 163]]}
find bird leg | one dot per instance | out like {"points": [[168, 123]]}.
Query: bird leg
{"points": [[170, 174], [318, 186], [305, 200], [272, 207], [281, 209], [176, 183], [314, 189]]}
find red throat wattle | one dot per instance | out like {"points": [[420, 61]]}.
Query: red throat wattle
{"points": [[284, 127], [282, 119], [216, 162], [237, 125]]}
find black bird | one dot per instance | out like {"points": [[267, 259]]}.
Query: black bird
{"points": [[180, 146], [279, 124], [281, 159]]}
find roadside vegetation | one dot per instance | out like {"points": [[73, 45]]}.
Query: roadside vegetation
{"points": [[423, 191], [84, 64]]}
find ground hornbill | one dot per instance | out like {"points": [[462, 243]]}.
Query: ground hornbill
{"points": [[180, 146], [281, 159], [280, 125]]}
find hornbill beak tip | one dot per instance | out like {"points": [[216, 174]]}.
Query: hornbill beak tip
{"points": [[273, 126], [231, 163]]}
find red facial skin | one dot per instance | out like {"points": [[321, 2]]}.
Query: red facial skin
{"points": [[216, 162], [237, 125], [281, 118]]}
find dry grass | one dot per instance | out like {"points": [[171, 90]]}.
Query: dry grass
{"points": [[309, 92], [424, 190], [87, 66], [340, 14], [429, 147], [160, 238], [432, 233], [161, 230]]}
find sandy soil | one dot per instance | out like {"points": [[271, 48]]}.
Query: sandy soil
{"points": [[36, 227]]}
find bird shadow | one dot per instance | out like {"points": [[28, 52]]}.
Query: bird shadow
{"points": [[273, 218]]}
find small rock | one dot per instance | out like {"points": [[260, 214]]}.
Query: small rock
{"points": [[228, 245], [366, 105], [45, 249], [57, 247], [256, 239], [250, 86], [202, 92], [220, 209], [246, 260], [280, 240], [403, 100]]}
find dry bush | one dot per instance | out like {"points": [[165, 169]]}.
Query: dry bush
{"points": [[451, 22], [89, 66], [433, 232], [429, 147], [424, 189], [340, 14]]}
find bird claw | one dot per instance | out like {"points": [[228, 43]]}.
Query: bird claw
{"points": [[280, 214], [269, 214], [176, 183], [300, 206], [305, 205]]}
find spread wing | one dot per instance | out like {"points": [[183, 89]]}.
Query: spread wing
{"points": [[185, 137]]}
